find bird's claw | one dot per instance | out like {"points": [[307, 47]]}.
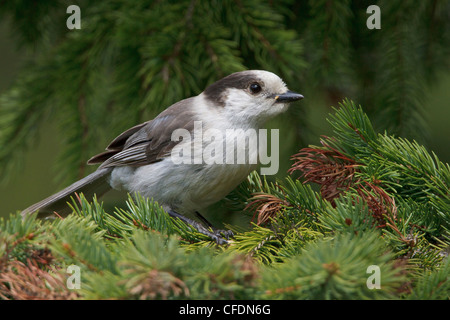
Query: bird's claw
{"points": [[220, 236]]}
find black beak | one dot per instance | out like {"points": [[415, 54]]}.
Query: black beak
{"points": [[288, 96]]}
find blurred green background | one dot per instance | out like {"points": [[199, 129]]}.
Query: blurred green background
{"points": [[36, 178]]}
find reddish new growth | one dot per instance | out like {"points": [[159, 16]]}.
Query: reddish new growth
{"points": [[20, 281], [379, 202], [336, 173], [328, 167], [35, 279], [266, 206]]}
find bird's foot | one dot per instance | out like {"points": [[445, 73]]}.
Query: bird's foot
{"points": [[224, 232], [218, 235]]}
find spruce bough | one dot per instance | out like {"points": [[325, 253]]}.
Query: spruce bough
{"points": [[361, 199]]}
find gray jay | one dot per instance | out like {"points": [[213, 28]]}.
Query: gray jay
{"points": [[141, 158]]}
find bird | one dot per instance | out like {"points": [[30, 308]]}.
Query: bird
{"points": [[143, 158]]}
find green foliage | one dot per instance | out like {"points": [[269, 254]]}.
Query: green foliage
{"points": [[392, 217], [78, 243], [131, 60], [361, 199], [434, 284], [334, 269]]}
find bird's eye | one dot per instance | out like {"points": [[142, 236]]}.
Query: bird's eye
{"points": [[255, 88]]}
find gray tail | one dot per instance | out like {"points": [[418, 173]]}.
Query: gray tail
{"points": [[95, 183]]}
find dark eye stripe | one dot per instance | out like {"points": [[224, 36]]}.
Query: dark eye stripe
{"points": [[239, 80]]}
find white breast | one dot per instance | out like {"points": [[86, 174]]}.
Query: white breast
{"points": [[182, 187], [188, 187]]}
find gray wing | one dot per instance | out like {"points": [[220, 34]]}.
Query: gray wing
{"points": [[150, 141]]}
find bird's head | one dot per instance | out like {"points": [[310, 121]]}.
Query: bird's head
{"points": [[253, 96]]}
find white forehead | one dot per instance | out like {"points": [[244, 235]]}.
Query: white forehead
{"points": [[271, 81]]}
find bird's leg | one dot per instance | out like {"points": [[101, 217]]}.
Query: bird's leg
{"points": [[199, 227], [226, 233]]}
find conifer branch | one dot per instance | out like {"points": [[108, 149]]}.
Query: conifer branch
{"points": [[381, 199]]}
